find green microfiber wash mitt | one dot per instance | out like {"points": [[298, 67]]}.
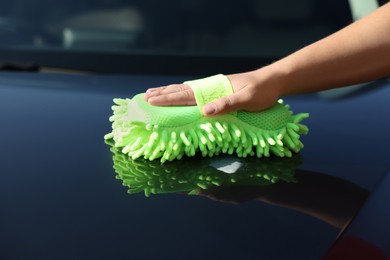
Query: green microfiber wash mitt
{"points": [[168, 133], [152, 177]]}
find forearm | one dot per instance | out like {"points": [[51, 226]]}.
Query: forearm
{"points": [[358, 53]]}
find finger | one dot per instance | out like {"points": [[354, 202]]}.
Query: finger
{"points": [[165, 90], [181, 98], [223, 105], [152, 92]]}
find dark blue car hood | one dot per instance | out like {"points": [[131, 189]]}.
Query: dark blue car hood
{"points": [[59, 197]]}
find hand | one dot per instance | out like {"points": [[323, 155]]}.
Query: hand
{"points": [[253, 91]]}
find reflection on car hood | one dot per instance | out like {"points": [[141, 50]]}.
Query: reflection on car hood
{"points": [[60, 200], [152, 177]]}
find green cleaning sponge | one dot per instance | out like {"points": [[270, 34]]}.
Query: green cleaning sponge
{"points": [[223, 171], [168, 133]]}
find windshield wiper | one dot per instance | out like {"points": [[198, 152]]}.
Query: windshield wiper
{"points": [[18, 66], [34, 67]]}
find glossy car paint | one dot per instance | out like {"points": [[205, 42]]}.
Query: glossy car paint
{"points": [[59, 198]]}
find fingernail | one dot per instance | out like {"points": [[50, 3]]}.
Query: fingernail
{"points": [[209, 109]]}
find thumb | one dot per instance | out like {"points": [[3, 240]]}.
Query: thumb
{"points": [[221, 106]]}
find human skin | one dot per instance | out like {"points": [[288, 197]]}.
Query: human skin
{"points": [[358, 53]]}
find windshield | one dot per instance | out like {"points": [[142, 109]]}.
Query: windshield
{"points": [[256, 29]]}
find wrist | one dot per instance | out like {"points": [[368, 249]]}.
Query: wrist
{"points": [[274, 77]]}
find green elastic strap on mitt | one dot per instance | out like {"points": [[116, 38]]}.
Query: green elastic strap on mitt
{"points": [[151, 177], [209, 89], [168, 133]]}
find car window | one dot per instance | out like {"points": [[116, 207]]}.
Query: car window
{"points": [[191, 37], [251, 27]]}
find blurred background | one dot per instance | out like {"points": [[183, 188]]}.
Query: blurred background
{"points": [[254, 32]]}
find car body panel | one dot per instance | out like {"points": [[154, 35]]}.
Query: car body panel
{"points": [[59, 198]]}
